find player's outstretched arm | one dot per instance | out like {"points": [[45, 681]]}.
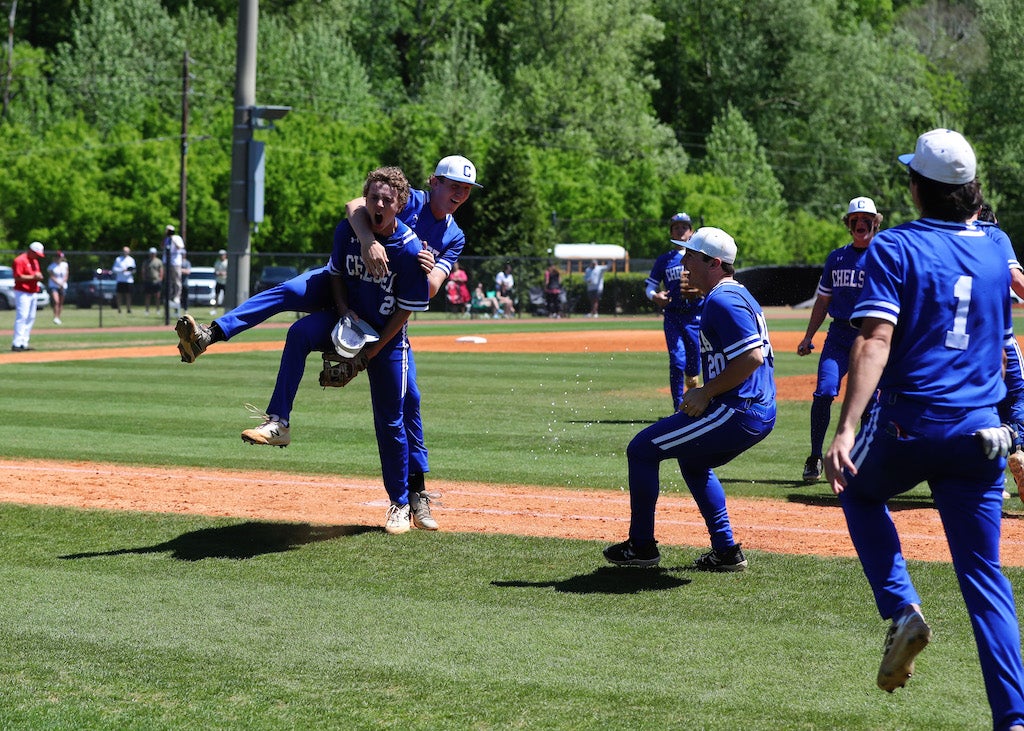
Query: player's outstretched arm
{"points": [[373, 253]]}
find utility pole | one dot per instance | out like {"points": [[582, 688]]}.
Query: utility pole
{"points": [[186, 83], [238, 200], [247, 162], [9, 74]]}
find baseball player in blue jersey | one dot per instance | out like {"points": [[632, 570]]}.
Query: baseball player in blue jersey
{"points": [[731, 412], [681, 304], [428, 213], [838, 289], [430, 216], [934, 319], [1011, 409], [385, 303]]}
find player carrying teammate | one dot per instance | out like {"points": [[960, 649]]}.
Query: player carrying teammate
{"points": [[731, 412], [428, 213], [934, 317], [838, 289], [385, 303]]}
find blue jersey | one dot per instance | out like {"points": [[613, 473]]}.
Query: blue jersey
{"points": [[668, 268], [1002, 241], [733, 323], [945, 291], [842, 280], [442, 237], [373, 299]]}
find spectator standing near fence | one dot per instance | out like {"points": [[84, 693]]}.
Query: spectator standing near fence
{"points": [[457, 288], [57, 284], [28, 277], [553, 290], [174, 251], [152, 279], [934, 319], [124, 278], [220, 273], [668, 287], [593, 276]]}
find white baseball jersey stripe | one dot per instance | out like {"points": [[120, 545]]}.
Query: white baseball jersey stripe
{"points": [[694, 429]]}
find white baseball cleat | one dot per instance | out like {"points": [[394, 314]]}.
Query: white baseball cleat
{"points": [[271, 432], [906, 637], [397, 519]]}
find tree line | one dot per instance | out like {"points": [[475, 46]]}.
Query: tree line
{"points": [[588, 120]]}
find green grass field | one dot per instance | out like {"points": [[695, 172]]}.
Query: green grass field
{"points": [[146, 621]]}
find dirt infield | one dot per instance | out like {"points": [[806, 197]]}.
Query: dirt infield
{"points": [[802, 527]]}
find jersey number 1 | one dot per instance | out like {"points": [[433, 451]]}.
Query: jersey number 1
{"points": [[957, 338]]}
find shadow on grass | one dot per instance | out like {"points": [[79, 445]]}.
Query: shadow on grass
{"points": [[896, 504], [607, 580], [245, 540]]}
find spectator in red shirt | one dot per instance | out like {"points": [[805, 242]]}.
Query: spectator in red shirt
{"points": [[28, 276]]}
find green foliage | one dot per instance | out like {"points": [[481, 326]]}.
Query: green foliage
{"points": [[28, 100], [513, 220], [589, 120], [995, 117], [734, 153], [121, 66], [811, 239]]}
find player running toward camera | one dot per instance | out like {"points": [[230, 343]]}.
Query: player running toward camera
{"points": [[680, 303], [385, 303], [934, 319], [731, 412], [838, 290]]}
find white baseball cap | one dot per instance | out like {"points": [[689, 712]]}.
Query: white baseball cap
{"points": [[457, 168], [152, 250], [944, 156], [170, 227], [862, 204], [349, 336], [37, 248], [712, 241]]}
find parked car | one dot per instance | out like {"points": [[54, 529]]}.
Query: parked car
{"points": [[272, 276], [85, 293], [202, 287], [7, 291]]}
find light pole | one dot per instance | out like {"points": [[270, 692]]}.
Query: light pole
{"points": [[245, 202]]}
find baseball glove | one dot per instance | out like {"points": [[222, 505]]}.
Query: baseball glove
{"points": [[338, 371]]}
